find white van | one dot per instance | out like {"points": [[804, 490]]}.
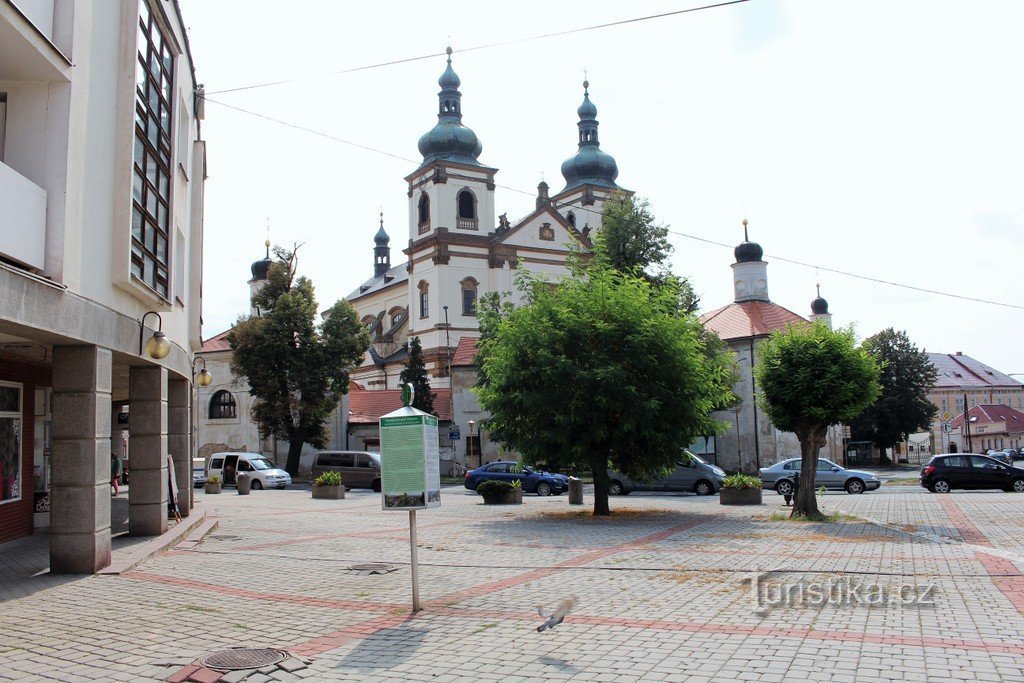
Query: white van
{"points": [[265, 474]]}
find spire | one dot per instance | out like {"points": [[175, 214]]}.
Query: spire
{"points": [[750, 272], [748, 251], [449, 139], [381, 250], [260, 268], [590, 165], [819, 309]]}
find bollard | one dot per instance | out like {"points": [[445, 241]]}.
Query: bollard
{"points": [[243, 482], [575, 491]]}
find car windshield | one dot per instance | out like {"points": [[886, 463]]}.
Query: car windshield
{"points": [[696, 458], [261, 464]]}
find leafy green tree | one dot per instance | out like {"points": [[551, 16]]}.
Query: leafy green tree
{"points": [[415, 373], [296, 370], [811, 378], [600, 369], [903, 406]]}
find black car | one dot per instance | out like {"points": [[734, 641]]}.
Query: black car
{"points": [[946, 472]]}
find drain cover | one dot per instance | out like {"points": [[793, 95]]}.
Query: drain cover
{"points": [[243, 658], [372, 568]]}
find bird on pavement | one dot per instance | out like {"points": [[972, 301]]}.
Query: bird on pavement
{"points": [[555, 617]]}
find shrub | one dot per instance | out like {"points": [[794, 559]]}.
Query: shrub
{"points": [[492, 487], [517, 484], [213, 479], [741, 481], [328, 479]]}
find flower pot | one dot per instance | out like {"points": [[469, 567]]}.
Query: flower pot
{"points": [[213, 488], [329, 492], [508, 497], [740, 497]]}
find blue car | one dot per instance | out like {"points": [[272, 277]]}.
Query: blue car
{"points": [[532, 481]]}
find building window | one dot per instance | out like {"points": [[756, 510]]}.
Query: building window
{"points": [[467, 211], [151, 180], [10, 442], [571, 218], [3, 122], [424, 299], [469, 287], [223, 406], [424, 213]]}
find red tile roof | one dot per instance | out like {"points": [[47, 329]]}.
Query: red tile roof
{"points": [[749, 319], [987, 414], [465, 352], [367, 406], [960, 371], [216, 343]]}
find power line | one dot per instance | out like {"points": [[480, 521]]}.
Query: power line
{"points": [[486, 46]]}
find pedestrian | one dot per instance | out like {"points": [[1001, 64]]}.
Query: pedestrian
{"points": [[796, 483], [115, 472]]}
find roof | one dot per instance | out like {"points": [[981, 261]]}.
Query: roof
{"points": [[465, 352], [392, 276], [989, 414], [217, 343], [749, 319], [367, 407], [960, 371]]}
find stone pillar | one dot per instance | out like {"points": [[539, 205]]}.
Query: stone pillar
{"points": [[147, 450], [80, 483], [179, 393]]}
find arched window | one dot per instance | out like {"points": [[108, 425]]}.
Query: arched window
{"points": [[469, 287], [223, 406], [571, 218], [424, 299], [467, 211], [424, 212], [397, 315]]}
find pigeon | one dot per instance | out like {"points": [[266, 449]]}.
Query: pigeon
{"points": [[558, 615]]}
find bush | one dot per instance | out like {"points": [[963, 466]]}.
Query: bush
{"points": [[741, 481], [492, 487], [213, 479], [328, 479]]}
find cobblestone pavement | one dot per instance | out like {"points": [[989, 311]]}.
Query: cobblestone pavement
{"points": [[664, 593]]}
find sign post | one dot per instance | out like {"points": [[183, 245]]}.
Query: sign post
{"points": [[410, 470]]}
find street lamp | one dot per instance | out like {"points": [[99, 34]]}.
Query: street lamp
{"points": [[471, 441], [157, 346], [203, 379]]}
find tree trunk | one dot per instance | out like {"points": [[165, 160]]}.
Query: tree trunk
{"points": [[297, 438], [811, 441], [599, 468]]}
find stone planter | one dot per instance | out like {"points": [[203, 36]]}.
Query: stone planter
{"points": [[511, 497], [212, 488], [740, 497], [329, 492]]}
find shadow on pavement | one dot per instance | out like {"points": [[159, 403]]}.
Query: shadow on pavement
{"points": [[385, 649]]}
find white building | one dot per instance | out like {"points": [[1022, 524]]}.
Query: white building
{"points": [[101, 189]]}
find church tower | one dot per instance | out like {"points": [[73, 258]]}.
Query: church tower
{"points": [[819, 310], [381, 251], [750, 272], [259, 270]]}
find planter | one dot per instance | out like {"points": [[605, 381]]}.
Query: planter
{"points": [[740, 497], [329, 492], [212, 488], [511, 497]]}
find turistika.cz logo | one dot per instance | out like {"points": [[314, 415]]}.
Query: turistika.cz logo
{"points": [[840, 591]]}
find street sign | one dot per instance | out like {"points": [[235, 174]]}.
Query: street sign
{"points": [[947, 416], [410, 472], [453, 433]]}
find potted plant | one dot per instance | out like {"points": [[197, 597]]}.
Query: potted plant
{"points": [[740, 489], [329, 485], [501, 492], [213, 484]]}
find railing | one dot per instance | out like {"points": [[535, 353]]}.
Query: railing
{"points": [[466, 223], [22, 218], [424, 226]]}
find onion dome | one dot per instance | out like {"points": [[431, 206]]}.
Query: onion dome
{"points": [[748, 251], [819, 306], [262, 267], [449, 140], [381, 239], [589, 166]]}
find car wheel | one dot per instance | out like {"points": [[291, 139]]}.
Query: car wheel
{"points": [[543, 489], [940, 486], [784, 488], [376, 485], [703, 488], [855, 486], [615, 488], [1018, 485], [257, 485]]}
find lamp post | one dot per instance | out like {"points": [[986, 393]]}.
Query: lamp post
{"points": [[203, 378], [471, 442], [157, 346]]}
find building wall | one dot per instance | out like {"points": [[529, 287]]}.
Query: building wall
{"points": [[16, 515], [951, 400]]}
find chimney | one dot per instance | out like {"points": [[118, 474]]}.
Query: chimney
{"points": [[959, 353]]}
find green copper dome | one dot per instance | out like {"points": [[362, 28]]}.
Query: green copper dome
{"points": [[449, 140], [589, 166]]}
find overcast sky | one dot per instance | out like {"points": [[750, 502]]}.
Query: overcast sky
{"points": [[876, 137]]}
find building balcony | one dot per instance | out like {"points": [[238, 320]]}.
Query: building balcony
{"points": [[466, 223], [23, 219], [27, 52]]}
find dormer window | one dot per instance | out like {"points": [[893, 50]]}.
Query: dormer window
{"points": [[424, 213], [467, 218]]}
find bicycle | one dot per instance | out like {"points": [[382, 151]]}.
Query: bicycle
{"points": [[457, 469]]}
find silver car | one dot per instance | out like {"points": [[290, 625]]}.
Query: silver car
{"points": [[779, 477], [692, 474]]}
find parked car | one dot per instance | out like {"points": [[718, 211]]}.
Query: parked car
{"points": [[1001, 456], [264, 473], [780, 477], [198, 472], [690, 474], [358, 469], [533, 481], [949, 471]]}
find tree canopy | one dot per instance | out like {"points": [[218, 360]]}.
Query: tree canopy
{"points": [[415, 373], [599, 369], [297, 370], [810, 378], [903, 407]]}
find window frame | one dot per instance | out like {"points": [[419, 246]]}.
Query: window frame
{"points": [[221, 405], [423, 224], [18, 417], [469, 285], [424, 289], [466, 222]]}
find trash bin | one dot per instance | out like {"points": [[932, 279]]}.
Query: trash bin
{"points": [[575, 491], [243, 482]]}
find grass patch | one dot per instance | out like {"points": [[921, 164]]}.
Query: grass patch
{"points": [[484, 628], [830, 517], [363, 594], [902, 481], [200, 608], [587, 514]]}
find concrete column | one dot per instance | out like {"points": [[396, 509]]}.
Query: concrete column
{"points": [[147, 450], [179, 393], [80, 484]]}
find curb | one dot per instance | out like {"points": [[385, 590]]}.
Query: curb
{"points": [[127, 559]]}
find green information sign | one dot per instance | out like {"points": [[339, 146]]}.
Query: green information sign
{"points": [[410, 470]]}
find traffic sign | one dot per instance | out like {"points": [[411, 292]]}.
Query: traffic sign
{"points": [[947, 416], [453, 433]]}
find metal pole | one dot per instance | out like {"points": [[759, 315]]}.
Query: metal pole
{"points": [[415, 562], [967, 426], [753, 400]]}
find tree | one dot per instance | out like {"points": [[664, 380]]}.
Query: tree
{"points": [[296, 370], [811, 378], [600, 369], [903, 406], [415, 373]]}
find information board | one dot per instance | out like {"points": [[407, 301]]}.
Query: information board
{"points": [[409, 463]]}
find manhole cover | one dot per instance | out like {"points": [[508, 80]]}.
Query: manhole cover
{"points": [[243, 658], [372, 568]]}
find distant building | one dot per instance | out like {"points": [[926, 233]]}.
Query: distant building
{"points": [[992, 427], [960, 376]]}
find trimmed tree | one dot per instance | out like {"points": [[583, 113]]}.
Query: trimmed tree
{"points": [[601, 369], [415, 373], [811, 378], [297, 370], [903, 406]]}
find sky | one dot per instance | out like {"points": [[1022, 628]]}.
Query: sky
{"points": [[877, 138]]}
